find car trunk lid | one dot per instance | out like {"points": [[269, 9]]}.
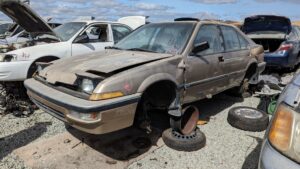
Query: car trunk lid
{"points": [[262, 23]]}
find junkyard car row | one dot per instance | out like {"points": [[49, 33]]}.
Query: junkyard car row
{"points": [[101, 77]]}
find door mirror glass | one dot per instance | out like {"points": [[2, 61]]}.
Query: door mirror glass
{"points": [[200, 47], [82, 39]]}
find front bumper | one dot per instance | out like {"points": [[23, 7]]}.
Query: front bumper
{"points": [[14, 71], [272, 159], [115, 114]]}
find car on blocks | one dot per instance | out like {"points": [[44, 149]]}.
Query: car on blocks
{"points": [[162, 66]]}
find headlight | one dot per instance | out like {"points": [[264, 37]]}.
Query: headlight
{"points": [[8, 58], [284, 133], [87, 85]]}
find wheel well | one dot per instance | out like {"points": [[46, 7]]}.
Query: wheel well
{"points": [[160, 94], [33, 67], [152, 108], [251, 70]]}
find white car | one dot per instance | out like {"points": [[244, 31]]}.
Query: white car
{"points": [[69, 39]]}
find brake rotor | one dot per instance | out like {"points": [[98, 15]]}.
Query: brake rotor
{"points": [[187, 123]]}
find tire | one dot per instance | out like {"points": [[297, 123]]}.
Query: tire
{"points": [[188, 143], [248, 119]]}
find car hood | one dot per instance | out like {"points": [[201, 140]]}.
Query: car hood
{"points": [[261, 23], [101, 64], [23, 15]]}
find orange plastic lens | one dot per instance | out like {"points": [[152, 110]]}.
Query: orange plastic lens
{"points": [[104, 96], [281, 129]]}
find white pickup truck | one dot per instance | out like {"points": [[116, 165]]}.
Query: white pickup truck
{"points": [[74, 38]]}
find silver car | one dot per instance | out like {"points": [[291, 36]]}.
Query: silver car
{"points": [[281, 147]]}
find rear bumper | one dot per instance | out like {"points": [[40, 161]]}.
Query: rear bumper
{"points": [[278, 61], [114, 114], [272, 159], [261, 67]]}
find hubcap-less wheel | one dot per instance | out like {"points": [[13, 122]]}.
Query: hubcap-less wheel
{"points": [[188, 122], [247, 118]]}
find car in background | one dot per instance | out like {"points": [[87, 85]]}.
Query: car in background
{"points": [[4, 27], [281, 146], [281, 40], [18, 60], [158, 66], [20, 37]]}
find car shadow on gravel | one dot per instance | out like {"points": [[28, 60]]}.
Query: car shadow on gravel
{"points": [[251, 161], [214, 106], [122, 145], [12, 142]]}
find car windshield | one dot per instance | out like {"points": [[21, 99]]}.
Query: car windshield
{"points": [[168, 38], [68, 30]]}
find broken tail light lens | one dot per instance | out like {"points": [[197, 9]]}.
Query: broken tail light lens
{"points": [[284, 133], [284, 48]]}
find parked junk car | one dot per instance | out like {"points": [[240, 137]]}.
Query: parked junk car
{"points": [[281, 147], [158, 66], [21, 37], [281, 41], [47, 44]]}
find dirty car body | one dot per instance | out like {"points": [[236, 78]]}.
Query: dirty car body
{"points": [[103, 92], [18, 60], [281, 146], [281, 40]]}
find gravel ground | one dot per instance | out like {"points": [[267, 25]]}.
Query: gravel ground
{"points": [[227, 147], [17, 132]]}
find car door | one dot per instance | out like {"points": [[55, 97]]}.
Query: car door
{"points": [[99, 36], [236, 56], [119, 32], [204, 76]]}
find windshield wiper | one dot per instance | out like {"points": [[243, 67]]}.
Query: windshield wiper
{"points": [[113, 47], [142, 50]]}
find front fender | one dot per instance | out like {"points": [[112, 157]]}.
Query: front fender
{"points": [[154, 79]]}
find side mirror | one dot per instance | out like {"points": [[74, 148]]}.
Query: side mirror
{"points": [[199, 47], [82, 39]]}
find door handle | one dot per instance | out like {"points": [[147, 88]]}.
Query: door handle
{"points": [[221, 58]]}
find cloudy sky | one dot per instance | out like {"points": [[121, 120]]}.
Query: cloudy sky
{"points": [[162, 10]]}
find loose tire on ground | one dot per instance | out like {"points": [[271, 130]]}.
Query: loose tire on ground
{"points": [[179, 142], [248, 119]]}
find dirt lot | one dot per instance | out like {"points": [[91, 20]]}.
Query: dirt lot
{"points": [[41, 141]]}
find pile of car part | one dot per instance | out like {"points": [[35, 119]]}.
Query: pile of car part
{"points": [[13, 99]]}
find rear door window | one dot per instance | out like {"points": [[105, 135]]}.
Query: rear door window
{"points": [[231, 39], [243, 42], [211, 34]]}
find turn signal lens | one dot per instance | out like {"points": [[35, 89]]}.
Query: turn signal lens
{"points": [[105, 96], [281, 129]]}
